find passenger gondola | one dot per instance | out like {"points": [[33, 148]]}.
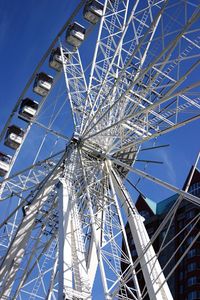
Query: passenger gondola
{"points": [[14, 137], [28, 109], [42, 84], [93, 11], [75, 34], [5, 161], [55, 60]]}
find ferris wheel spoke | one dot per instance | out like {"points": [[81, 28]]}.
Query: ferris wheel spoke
{"points": [[146, 111], [110, 34], [106, 58], [130, 145], [30, 177], [186, 195], [120, 81], [167, 50], [76, 87], [180, 105], [118, 75], [51, 131]]}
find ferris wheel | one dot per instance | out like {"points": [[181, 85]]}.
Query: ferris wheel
{"points": [[75, 135]]}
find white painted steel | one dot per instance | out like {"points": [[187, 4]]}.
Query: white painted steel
{"points": [[66, 224], [65, 251], [149, 263]]}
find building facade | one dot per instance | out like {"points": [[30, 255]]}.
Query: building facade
{"points": [[184, 281]]}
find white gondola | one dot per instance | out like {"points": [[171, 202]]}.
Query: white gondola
{"points": [[28, 109], [55, 60], [42, 84], [75, 34], [5, 161], [14, 137], [93, 11]]}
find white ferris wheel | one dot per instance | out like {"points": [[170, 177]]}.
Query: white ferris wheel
{"points": [[65, 205]]}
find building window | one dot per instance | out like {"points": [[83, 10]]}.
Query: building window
{"points": [[132, 242], [190, 226], [181, 223], [181, 216], [182, 249], [194, 295], [181, 289], [190, 214], [190, 240], [192, 280], [191, 253], [133, 252], [191, 267], [195, 189], [181, 275]]}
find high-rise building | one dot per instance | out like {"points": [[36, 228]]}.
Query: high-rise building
{"points": [[175, 239]]}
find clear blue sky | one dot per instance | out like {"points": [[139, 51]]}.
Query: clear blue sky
{"points": [[27, 29]]}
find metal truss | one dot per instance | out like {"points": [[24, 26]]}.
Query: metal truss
{"points": [[64, 215]]}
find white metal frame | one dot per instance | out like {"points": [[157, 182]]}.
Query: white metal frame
{"points": [[77, 200]]}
